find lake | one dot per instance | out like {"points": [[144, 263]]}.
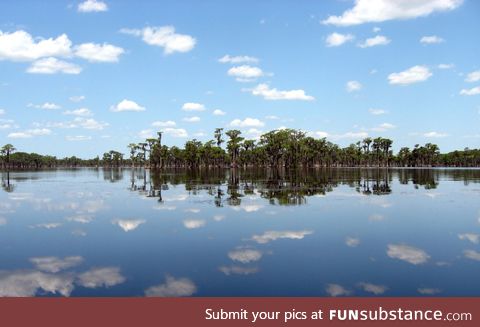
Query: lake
{"points": [[318, 232]]}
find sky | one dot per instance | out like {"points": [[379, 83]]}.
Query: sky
{"points": [[85, 77]]}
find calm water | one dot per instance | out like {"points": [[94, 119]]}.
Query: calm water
{"points": [[246, 233]]}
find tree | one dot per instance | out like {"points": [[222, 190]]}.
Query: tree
{"points": [[218, 136], [6, 151], [233, 144]]}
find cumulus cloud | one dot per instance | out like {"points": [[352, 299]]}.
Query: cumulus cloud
{"points": [[431, 39], [245, 73], [194, 223], [55, 264], [21, 46], [435, 134], [193, 106], [268, 93], [126, 105], [194, 119], [77, 98], [100, 277], [377, 112], [472, 91], [45, 106], [237, 270], [412, 75], [353, 86], [218, 112], [473, 77], [237, 59], [173, 287], [407, 253], [128, 224], [352, 242], [374, 41], [428, 291], [383, 127], [81, 112], [53, 65], [176, 132], [337, 39], [372, 288], [79, 122], [92, 6], [366, 11], [337, 290], [472, 254], [167, 123], [275, 235], [247, 122], [98, 52], [472, 237], [30, 133], [26, 283], [164, 37], [245, 255]]}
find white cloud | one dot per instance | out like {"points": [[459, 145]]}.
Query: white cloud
{"points": [[472, 91], [245, 73], [79, 122], [54, 264], [349, 135], [272, 117], [435, 134], [377, 112], [82, 112], [237, 59], [428, 291], [237, 270], [193, 106], [267, 93], [431, 39], [168, 123], [27, 283], [194, 223], [474, 238], [101, 277], [472, 254], [127, 105], [2, 111], [92, 6], [53, 65], [45, 106], [372, 288], [275, 235], [77, 138], [173, 287], [445, 66], [218, 112], [383, 127], [407, 253], [247, 122], [94, 52], [176, 132], [164, 37], [245, 255], [353, 86], [376, 29], [473, 77], [366, 11], [337, 290], [47, 225], [194, 119], [337, 39], [414, 74], [77, 98], [82, 219], [321, 134], [21, 46], [352, 242], [29, 133], [374, 41], [128, 224]]}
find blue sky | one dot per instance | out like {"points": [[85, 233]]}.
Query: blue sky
{"points": [[84, 77]]}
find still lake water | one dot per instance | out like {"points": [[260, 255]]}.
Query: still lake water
{"points": [[358, 232]]}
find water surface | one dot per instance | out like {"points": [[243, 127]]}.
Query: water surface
{"points": [[360, 232]]}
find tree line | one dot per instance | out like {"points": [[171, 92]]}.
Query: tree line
{"points": [[278, 148]]}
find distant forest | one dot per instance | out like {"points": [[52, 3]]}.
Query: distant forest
{"points": [[279, 148]]}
